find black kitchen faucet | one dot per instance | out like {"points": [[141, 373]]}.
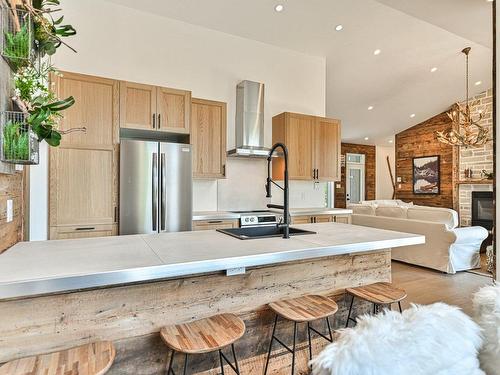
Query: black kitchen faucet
{"points": [[286, 214]]}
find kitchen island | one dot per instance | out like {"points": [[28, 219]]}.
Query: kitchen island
{"points": [[59, 294]]}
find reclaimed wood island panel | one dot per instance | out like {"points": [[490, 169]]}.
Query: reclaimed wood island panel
{"points": [[131, 315]]}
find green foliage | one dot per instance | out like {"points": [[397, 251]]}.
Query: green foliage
{"points": [[43, 119], [49, 31], [17, 48], [16, 141]]}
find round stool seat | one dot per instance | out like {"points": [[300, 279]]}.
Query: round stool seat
{"points": [[305, 309], [205, 335], [91, 359], [378, 293]]}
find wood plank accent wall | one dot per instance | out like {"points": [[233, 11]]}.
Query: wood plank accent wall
{"points": [[132, 316], [11, 182], [370, 172], [420, 140]]}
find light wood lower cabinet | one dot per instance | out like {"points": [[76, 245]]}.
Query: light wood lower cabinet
{"points": [[208, 137], [214, 224], [306, 219], [83, 170]]}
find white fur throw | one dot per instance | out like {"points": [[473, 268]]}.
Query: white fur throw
{"points": [[487, 315], [436, 339]]}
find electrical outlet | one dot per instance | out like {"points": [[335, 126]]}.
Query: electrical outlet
{"points": [[10, 210], [235, 271]]}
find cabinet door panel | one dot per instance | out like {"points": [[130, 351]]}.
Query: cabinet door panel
{"points": [[301, 220], [137, 106], [81, 187], [215, 224], [174, 109], [208, 136], [327, 149], [299, 140], [95, 109], [345, 219], [323, 219]]}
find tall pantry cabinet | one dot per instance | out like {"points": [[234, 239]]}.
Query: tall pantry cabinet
{"points": [[83, 170]]}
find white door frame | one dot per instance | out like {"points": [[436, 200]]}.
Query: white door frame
{"points": [[355, 165]]}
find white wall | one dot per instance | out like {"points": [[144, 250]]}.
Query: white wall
{"points": [[383, 185], [122, 43]]}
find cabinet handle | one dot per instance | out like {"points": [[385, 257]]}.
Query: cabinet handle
{"points": [[116, 214], [224, 170], [154, 120], [159, 120], [85, 228], [215, 222]]}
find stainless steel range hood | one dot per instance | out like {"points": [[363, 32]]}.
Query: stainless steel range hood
{"points": [[249, 121]]}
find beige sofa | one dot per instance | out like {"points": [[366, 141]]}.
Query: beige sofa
{"points": [[447, 247]]}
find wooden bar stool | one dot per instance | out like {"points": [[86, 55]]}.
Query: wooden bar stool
{"points": [[380, 294], [203, 336], [303, 309], [91, 359]]}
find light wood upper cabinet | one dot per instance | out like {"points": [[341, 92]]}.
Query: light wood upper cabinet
{"points": [[137, 106], [327, 149], [174, 110], [208, 137], [83, 170], [313, 147], [146, 107]]}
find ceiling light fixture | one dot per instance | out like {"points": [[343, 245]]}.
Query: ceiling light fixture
{"points": [[412, 115], [339, 27], [366, 138], [377, 52], [279, 8], [390, 141], [465, 131], [370, 108], [434, 70], [478, 83]]}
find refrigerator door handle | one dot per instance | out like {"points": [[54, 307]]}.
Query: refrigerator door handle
{"points": [[154, 193], [163, 191]]}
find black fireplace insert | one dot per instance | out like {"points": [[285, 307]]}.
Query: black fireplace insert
{"points": [[482, 209]]}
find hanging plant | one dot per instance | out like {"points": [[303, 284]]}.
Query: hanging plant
{"points": [[31, 82]]}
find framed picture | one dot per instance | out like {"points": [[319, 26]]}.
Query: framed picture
{"points": [[426, 178]]}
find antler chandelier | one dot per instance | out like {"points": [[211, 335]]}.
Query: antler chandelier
{"points": [[466, 131]]}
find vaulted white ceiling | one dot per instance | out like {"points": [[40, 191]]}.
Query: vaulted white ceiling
{"points": [[413, 36]]}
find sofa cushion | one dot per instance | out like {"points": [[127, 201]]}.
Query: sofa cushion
{"points": [[434, 214], [398, 212], [362, 209]]}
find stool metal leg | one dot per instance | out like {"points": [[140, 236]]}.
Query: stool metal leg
{"points": [[235, 360], [293, 347], [185, 363], [271, 344], [309, 338], [400, 308], [221, 363], [349, 315], [171, 362], [329, 329]]}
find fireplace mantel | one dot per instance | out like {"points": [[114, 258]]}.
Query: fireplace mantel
{"points": [[475, 182]]}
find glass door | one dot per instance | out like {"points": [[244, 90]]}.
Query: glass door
{"points": [[355, 178]]}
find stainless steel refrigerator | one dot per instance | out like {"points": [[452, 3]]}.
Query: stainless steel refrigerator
{"points": [[155, 187]]}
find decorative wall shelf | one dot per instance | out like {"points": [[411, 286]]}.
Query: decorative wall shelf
{"points": [[475, 182]]}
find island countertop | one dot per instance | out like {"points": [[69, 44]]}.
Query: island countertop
{"points": [[47, 267]]}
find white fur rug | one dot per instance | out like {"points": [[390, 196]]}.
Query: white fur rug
{"points": [[487, 315], [436, 339]]}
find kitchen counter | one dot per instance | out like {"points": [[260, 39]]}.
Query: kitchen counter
{"points": [[226, 215], [46, 267], [60, 294]]}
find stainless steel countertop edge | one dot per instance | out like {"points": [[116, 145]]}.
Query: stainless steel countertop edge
{"points": [[39, 287]]}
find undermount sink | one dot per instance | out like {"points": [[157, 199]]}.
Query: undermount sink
{"points": [[262, 232]]}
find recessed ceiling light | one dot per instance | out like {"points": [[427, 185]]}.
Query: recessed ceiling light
{"points": [[370, 108], [478, 83], [390, 141], [366, 138], [339, 27], [489, 1], [377, 52], [433, 70], [279, 8], [412, 115]]}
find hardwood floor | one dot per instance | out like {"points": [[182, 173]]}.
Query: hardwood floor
{"points": [[423, 286], [426, 286]]}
